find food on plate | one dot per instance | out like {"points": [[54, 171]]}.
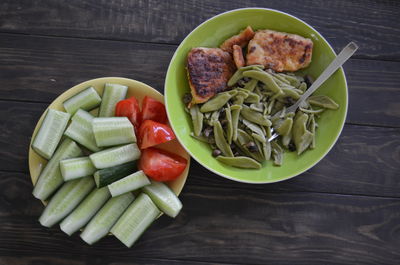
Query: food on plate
{"points": [[112, 94], [209, 70], [129, 108], [237, 122], [87, 100], [152, 133], [238, 56], [161, 165], [153, 110], [113, 131], [50, 133], [241, 40], [279, 51], [96, 190]]}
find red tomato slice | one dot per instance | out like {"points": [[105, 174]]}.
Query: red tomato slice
{"points": [[153, 110], [152, 133], [161, 165], [129, 108]]}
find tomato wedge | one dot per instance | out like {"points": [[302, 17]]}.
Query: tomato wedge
{"points": [[161, 165], [152, 133], [153, 110], [129, 108]]}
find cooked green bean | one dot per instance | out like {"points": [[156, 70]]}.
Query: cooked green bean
{"points": [[301, 136], [284, 126], [251, 85], [240, 96], [277, 153], [254, 116], [311, 111], [264, 77], [259, 107], [255, 128], [280, 79], [323, 102], [229, 128], [239, 73], [239, 161], [200, 137], [303, 86], [288, 92], [258, 137], [220, 140], [197, 119], [235, 109], [252, 98], [267, 150], [217, 101], [291, 79]]}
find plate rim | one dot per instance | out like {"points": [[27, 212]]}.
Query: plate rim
{"points": [[340, 70]]}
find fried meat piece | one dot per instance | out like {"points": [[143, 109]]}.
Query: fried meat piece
{"points": [[241, 39], [209, 70], [238, 56], [279, 51]]}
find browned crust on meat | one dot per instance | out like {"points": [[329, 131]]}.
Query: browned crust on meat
{"points": [[279, 51], [241, 39], [238, 56], [209, 70]]}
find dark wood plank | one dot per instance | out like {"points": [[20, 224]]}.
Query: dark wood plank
{"points": [[374, 25], [40, 68], [217, 224], [93, 260], [364, 161]]}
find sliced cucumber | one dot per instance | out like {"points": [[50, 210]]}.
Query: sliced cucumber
{"points": [[135, 220], [106, 176], [50, 132], [128, 183], [65, 200], [50, 178], [80, 130], [164, 198], [78, 167], [115, 156], [113, 131], [104, 220], [111, 95], [85, 211], [86, 99]]}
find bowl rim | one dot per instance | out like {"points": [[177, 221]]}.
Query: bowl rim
{"points": [[340, 70], [87, 82]]}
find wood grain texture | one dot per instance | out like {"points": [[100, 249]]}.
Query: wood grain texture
{"points": [[366, 160], [373, 25], [217, 224], [40, 68]]}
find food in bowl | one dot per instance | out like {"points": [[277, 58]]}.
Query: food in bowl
{"points": [[92, 176], [234, 111]]}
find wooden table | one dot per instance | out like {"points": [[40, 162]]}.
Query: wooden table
{"points": [[345, 210]]}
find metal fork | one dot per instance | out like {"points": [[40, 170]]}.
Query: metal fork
{"points": [[343, 56]]}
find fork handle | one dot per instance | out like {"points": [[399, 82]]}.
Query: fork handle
{"points": [[343, 56]]}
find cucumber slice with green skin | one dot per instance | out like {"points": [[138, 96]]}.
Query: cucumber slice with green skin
{"points": [[164, 198], [65, 200], [80, 130], [113, 131], [85, 211], [50, 132], [107, 176], [111, 95], [128, 183], [86, 99], [50, 178], [115, 156], [106, 217], [78, 167], [135, 220]]}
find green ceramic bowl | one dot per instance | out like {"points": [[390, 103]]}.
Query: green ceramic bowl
{"points": [[212, 33]]}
